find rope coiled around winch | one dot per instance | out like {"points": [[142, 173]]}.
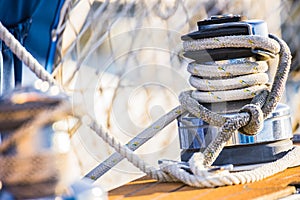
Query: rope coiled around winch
{"points": [[249, 119], [15, 46], [241, 78]]}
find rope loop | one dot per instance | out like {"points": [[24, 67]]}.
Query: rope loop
{"points": [[256, 121], [199, 172]]}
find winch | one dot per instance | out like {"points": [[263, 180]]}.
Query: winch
{"points": [[226, 79], [231, 118]]}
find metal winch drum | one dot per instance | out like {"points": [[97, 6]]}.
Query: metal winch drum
{"points": [[267, 145], [195, 134]]}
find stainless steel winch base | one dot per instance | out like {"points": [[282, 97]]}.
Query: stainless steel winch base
{"points": [[194, 133], [247, 154], [268, 145]]}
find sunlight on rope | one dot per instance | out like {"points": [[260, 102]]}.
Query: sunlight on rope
{"points": [[121, 61]]}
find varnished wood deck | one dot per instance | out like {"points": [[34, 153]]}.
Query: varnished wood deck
{"points": [[277, 186]]}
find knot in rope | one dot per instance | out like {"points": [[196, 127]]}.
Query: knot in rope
{"points": [[198, 172], [256, 120], [249, 120]]}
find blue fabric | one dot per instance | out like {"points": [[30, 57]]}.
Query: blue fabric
{"points": [[38, 41], [52, 48], [31, 22], [14, 12]]}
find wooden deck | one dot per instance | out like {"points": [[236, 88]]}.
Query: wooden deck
{"points": [[277, 186]]}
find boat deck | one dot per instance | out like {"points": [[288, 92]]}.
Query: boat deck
{"points": [[278, 186]]}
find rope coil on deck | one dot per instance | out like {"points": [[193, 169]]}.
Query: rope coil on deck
{"points": [[249, 119]]}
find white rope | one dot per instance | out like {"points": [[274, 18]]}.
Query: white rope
{"points": [[228, 83], [220, 81], [203, 176], [219, 69], [246, 41], [127, 153], [136, 142], [250, 118], [229, 95], [24, 55]]}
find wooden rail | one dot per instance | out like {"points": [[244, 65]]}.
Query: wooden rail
{"points": [[277, 186]]}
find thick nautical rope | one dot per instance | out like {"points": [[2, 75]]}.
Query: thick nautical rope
{"points": [[14, 45], [249, 120], [230, 80]]}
